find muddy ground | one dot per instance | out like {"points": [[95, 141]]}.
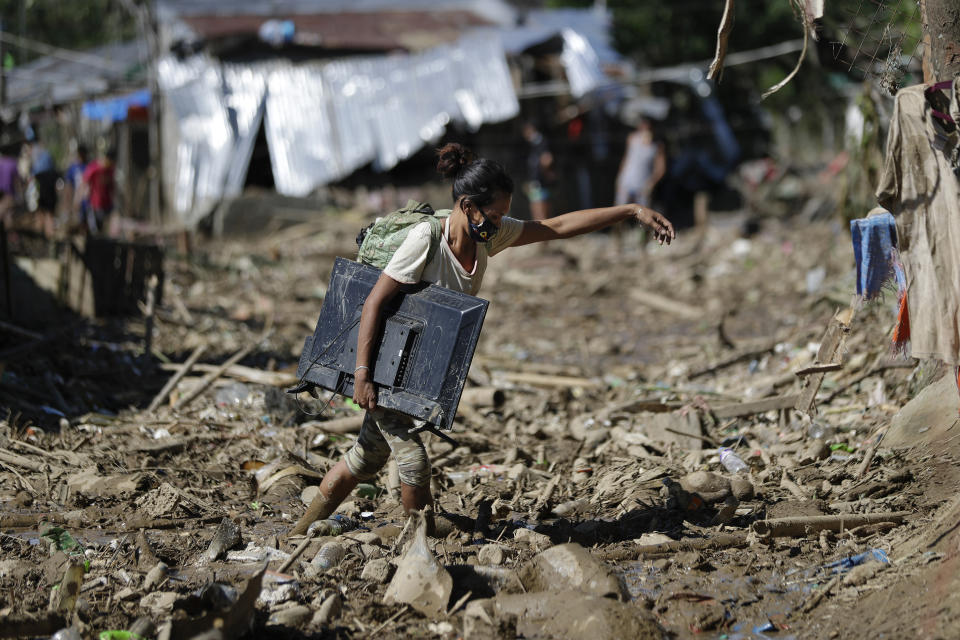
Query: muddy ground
{"points": [[605, 381]]}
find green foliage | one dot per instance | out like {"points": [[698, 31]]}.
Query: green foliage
{"points": [[70, 24], [666, 33]]}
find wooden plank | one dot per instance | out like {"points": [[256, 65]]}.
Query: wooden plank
{"points": [[241, 372], [681, 428], [830, 346], [818, 368], [219, 371], [665, 304], [539, 380], [758, 406], [172, 382], [748, 354]]}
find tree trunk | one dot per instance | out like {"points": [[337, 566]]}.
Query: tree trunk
{"points": [[941, 29]]}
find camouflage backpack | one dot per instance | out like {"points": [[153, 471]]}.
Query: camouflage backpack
{"points": [[381, 239]]}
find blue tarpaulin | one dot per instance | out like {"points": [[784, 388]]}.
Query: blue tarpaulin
{"points": [[115, 109]]}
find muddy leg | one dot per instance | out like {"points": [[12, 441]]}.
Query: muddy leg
{"points": [[415, 498], [336, 485], [418, 499]]}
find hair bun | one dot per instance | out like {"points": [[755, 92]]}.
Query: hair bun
{"points": [[452, 158]]}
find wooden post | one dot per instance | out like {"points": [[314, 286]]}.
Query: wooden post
{"points": [[5, 265], [831, 346], [154, 171], [941, 38], [3, 69]]}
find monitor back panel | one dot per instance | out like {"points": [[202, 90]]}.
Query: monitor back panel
{"points": [[423, 354]]}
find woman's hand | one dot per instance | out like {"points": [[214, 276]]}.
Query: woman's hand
{"points": [[364, 393], [657, 223]]}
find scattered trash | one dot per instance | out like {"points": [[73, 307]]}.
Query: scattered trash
{"points": [[420, 580], [815, 278], [155, 576], [477, 471], [227, 536], [229, 615], [277, 588], [290, 617], [819, 430], [61, 540], [253, 553], [232, 394], [329, 556], [731, 461], [332, 526], [845, 564], [369, 491], [673, 457], [63, 597]]}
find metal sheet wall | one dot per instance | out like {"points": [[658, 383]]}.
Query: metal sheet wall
{"points": [[580, 61], [322, 121], [244, 90], [300, 131], [194, 92]]}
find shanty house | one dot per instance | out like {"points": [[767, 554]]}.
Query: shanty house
{"points": [[335, 86]]}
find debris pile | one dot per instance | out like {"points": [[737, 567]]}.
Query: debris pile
{"points": [[680, 440]]}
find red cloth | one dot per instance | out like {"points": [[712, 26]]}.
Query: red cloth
{"points": [[99, 177], [901, 331]]}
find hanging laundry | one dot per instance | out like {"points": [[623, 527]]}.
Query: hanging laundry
{"points": [[874, 249], [919, 187], [878, 262]]}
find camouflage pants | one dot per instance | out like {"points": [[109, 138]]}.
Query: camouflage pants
{"points": [[383, 432]]}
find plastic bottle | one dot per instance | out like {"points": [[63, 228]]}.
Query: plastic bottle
{"points": [[819, 430], [68, 633], [731, 461], [329, 556], [333, 526], [233, 394]]}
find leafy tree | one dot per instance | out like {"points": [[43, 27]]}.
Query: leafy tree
{"points": [[70, 24]]}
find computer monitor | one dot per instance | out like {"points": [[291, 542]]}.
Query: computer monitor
{"points": [[428, 337]]}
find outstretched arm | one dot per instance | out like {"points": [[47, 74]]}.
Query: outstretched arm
{"points": [[576, 223], [364, 393]]}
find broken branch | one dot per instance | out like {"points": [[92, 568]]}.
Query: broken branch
{"points": [[800, 526], [172, 382]]}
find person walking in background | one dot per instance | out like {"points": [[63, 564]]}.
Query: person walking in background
{"points": [[539, 172], [44, 184], [10, 191], [98, 179], [644, 164], [79, 203]]}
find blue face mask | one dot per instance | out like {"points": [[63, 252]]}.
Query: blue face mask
{"points": [[485, 231]]}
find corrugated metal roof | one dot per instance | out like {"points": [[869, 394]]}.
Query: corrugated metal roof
{"points": [[56, 80], [498, 11], [542, 24], [357, 31]]}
